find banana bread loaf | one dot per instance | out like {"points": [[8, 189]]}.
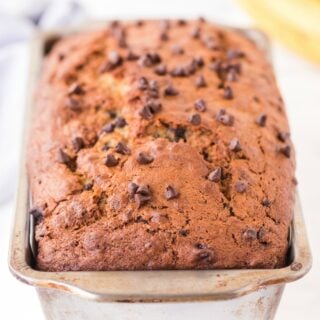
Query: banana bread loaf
{"points": [[160, 145]]}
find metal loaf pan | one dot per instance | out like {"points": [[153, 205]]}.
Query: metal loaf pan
{"points": [[135, 295]]}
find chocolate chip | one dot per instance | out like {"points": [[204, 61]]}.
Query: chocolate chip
{"points": [[181, 22], [73, 104], [76, 88], [142, 195], [221, 112], [283, 136], [108, 128], [216, 66], [200, 82], [144, 190], [202, 19], [235, 145], [227, 93], [141, 199], [200, 105], [155, 57], [111, 161], [205, 255], [105, 147], [191, 67], [249, 234], [143, 83], [122, 148], [139, 23], [223, 69], [149, 109], [195, 32], [145, 61], [153, 85], [120, 35], [232, 75], [114, 24], [184, 233], [236, 67], [200, 246], [112, 114], [131, 56], [50, 43], [179, 133], [77, 144], [122, 42], [114, 61], [266, 203], [92, 141], [64, 158], [79, 66], [146, 113], [225, 118], [37, 214], [183, 71], [176, 49], [120, 122], [261, 120], [144, 158], [61, 56], [234, 54], [88, 186], [286, 151], [195, 119], [199, 61], [149, 59], [161, 70], [164, 36], [154, 105], [132, 188], [171, 193], [263, 235], [210, 43], [241, 186], [215, 175], [220, 85], [152, 94], [170, 90], [180, 71], [256, 99]]}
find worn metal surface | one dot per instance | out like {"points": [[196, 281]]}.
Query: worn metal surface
{"points": [[261, 304], [227, 294]]}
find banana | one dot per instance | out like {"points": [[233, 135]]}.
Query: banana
{"points": [[296, 23]]}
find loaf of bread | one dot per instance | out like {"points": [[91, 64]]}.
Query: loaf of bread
{"points": [[160, 145]]}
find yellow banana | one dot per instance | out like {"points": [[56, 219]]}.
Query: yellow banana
{"points": [[294, 22]]}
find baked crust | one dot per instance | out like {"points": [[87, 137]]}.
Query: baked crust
{"points": [[160, 145]]}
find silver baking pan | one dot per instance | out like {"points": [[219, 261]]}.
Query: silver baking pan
{"points": [[152, 295]]}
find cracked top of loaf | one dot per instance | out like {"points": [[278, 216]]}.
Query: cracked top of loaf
{"points": [[160, 145]]}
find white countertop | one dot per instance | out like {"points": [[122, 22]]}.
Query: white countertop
{"points": [[300, 85]]}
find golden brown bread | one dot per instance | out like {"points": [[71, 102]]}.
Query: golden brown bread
{"points": [[160, 145]]}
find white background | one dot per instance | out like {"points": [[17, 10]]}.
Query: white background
{"points": [[300, 85]]}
